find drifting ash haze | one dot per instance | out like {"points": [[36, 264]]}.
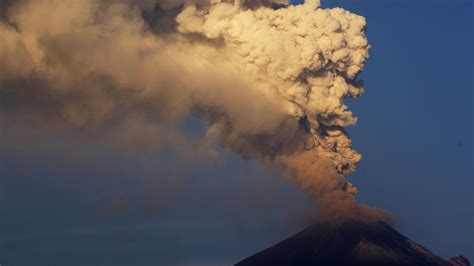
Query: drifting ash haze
{"points": [[267, 77]]}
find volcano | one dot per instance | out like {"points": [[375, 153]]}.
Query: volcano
{"points": [[348, 243]]}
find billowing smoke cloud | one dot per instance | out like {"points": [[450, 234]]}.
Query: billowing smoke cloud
{"points": [[267, 77]]}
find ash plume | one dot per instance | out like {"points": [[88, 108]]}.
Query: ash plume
{"points": [[267, 77]]}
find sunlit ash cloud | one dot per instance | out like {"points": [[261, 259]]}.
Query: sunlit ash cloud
{"points": [[268, 78]]}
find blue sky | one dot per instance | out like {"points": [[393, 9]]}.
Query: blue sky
{"points": [[101, 206], [416, 119]]}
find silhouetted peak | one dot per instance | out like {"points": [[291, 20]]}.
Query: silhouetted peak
{"points": [[348, 243]]}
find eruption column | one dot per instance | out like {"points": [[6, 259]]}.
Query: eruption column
{"points": [[267, 77]]}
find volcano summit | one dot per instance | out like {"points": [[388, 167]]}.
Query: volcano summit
{"points": [[348, 243]]}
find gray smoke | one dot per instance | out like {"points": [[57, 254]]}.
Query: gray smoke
{"points": [[267, 77]]}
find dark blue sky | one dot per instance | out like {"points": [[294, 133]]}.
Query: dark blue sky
{"points": [[416, 119], [72, 200]]}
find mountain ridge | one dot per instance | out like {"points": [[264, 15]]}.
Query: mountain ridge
{"points": [[348, 242]]}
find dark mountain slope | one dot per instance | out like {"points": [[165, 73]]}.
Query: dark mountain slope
{"points": [[347, 243]]}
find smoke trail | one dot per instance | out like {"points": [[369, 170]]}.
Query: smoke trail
{"points": [[268, 78]]}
